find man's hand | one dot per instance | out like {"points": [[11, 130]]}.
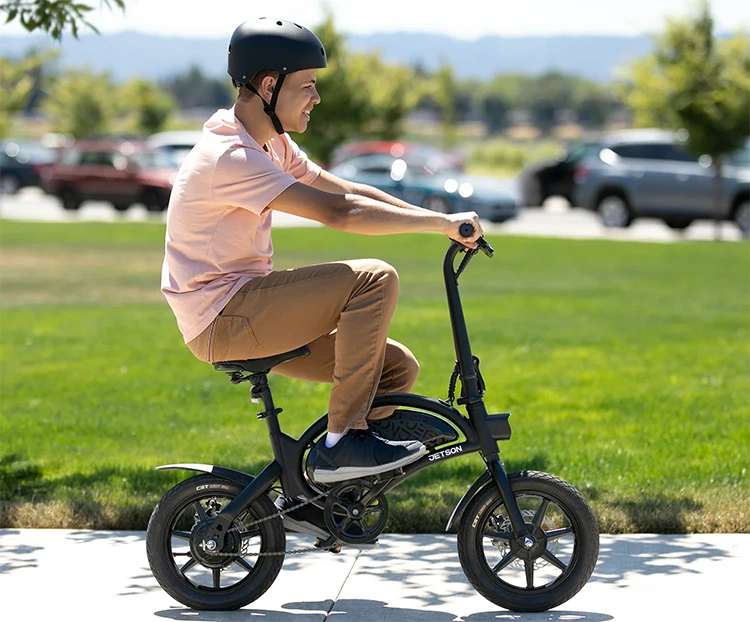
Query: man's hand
{"points": [[454, 221]]}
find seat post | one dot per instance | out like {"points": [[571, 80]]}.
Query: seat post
{"points": [[261, 392]]}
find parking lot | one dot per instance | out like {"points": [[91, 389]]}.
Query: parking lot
{"points": [[555, 219]]}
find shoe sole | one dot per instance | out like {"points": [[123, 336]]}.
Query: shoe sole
{"points": [[326, 476]]}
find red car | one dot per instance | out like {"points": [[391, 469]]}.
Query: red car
{"points": [[121, 172]]}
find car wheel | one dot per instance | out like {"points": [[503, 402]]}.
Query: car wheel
{"points": [[534, 194], [614, 211], [741, 217], [438, 203], [9, 184], [71, 200], [154, 201], [678, 223], [120, 206]]}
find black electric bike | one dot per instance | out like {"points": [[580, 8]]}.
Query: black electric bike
{"points": [[527, 541]]}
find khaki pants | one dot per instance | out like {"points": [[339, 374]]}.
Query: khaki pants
{"points": [[342, 312]]}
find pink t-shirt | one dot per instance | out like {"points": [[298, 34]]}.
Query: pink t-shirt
{"points": [[218, 227]]}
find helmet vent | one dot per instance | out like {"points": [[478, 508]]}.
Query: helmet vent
{"points": [[279, 24], [298, 26]]}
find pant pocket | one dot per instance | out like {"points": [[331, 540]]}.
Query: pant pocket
{"points": [[232, 339]]}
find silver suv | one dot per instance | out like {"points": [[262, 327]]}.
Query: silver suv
{"points": [[648, 173]]}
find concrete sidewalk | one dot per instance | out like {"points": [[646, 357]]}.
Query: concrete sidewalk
{"points": [[61, 575]]}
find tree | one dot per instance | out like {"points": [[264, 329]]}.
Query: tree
{"points": [[697, 84], [83, 103], [150, 106], [18, 80], [193, 89], [53, 16]]}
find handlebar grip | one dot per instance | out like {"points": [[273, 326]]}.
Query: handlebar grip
{"points": [[466, 229]]}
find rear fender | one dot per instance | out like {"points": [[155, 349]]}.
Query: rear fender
{"points": [[484, 479], [234, 476]]}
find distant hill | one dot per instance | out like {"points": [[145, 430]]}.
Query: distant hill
{"points": [[131, 54]]}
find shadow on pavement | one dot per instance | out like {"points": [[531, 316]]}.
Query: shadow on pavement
{"points": [[360, 609], [17, 556]]}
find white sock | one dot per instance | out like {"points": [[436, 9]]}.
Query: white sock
{"points": [[332, 439]]}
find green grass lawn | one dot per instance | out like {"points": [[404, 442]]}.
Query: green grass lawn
{"points": [[626, 367]]}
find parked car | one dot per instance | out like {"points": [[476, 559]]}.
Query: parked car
{"points": [[446, 191], [543, 179], [430, 157], [649, 173], [120, 172], [21, 165]]}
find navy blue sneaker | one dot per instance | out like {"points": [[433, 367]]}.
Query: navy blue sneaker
{"points": [[360, 453]]}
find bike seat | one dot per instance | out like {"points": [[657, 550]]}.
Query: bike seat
{"points": [[264, 365]]}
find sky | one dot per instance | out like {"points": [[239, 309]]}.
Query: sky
{"points": [[462, 19]]}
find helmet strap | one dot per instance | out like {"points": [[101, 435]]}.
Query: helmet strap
{"points": [[270, 108]]}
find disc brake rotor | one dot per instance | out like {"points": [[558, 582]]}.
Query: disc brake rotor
{"points": [[503, 546]]}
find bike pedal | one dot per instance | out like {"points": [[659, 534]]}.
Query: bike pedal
{"points": [[325, 544]]}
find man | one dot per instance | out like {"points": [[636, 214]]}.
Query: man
{"points": [[218, 276]]}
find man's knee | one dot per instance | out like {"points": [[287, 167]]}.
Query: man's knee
{"points": [[405, 365]]}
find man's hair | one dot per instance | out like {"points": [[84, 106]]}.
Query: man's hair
{"points": [[245, 94]]}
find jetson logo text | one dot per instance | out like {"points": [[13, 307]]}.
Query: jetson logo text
{"points": [[445, 453]]}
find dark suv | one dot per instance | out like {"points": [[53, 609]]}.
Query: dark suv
{"points": [[649, 173], [117, 171]]}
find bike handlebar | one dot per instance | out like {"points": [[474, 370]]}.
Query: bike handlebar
{"points": [[467, 230]]}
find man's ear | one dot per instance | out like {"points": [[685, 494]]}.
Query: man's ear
{"points": [[268, 84]]}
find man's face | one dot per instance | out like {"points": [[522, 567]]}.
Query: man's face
{"points": [[296, 100]]}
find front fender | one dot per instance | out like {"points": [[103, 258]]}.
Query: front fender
{"points": [[232, 475], [481, 482]]}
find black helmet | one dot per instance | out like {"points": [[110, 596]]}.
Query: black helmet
{"points": [[276, 44]]}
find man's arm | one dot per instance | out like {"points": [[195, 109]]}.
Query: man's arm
{"points": [[355, 213], [331, 183]]}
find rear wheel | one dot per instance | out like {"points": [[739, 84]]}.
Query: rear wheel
{"points": [[741, 217], [154, 200], [541, 569], [70, 199], [614, 211], [201, 578], [9, 184]]}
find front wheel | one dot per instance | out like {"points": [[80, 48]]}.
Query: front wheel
{"points": [[614, 211], [541, 569], [201, 578]]}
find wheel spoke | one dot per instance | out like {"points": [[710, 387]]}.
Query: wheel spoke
{"points": [[500, 535], [182, 535], [243, 563], [188, 565], [504, 562], [539, 516], [200, 511], [346, 523], [217, 578], [554, 534], [252, 533], [553, 560], [529, 564], [180, 553]]}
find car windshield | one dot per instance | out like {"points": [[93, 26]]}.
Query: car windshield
{"points": [[578, 151], [158, 159], [741, 157]]}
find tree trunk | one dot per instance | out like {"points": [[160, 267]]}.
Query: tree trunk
{"points": [[718, 196]]}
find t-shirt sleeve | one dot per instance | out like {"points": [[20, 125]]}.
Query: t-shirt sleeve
{"points": [[297, 164], [247, 178]]}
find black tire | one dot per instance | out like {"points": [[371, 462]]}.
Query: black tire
{"points": [[564, 509], [9, 183], [175, 520], [70, 199], [741, 216], [120, 206], [154, 200], [614, 210]]}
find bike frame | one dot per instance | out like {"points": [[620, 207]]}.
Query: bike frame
{"points": [[288, 452]]}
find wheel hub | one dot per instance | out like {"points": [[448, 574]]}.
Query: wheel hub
{"points": [[204, 550], [530, 545]]}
